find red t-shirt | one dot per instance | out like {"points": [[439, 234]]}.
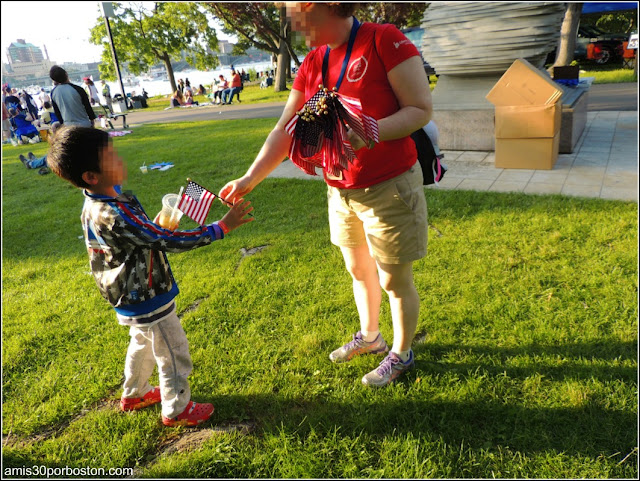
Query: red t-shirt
{"points": [[366, 80]]}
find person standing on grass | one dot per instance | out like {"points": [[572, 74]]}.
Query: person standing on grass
{"points": [[92, 91], [377, 207], [106, 93], [128, 260], [70, 102]]}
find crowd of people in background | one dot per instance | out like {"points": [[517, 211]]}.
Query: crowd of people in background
{"points": [[222, 91], [35, 111]]}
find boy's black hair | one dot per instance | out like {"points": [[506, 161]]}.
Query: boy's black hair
{"points": [[76, 150], [46, 104]]}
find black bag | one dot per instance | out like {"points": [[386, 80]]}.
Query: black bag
{"points": [[432, 168]]}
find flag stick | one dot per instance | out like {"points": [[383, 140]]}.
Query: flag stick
{"points": [[223, 200], [175, 207]]}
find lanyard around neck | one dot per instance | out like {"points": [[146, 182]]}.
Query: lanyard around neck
{"points": [[347, 55]]}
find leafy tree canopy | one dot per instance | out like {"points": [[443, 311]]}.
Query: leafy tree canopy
{"points": [[402, 15], [144, 37]]}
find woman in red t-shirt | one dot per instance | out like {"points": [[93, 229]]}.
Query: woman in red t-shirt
{"points": [[377, 208]]}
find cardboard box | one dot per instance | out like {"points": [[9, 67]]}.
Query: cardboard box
{"points": [[535, 154], [528, 118], [528, 121], [524, 84]]}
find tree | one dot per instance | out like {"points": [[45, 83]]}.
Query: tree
{"points": [[262, 25], [568, 33], [143, 37], [614, 22], [266, 27], [402, 15]]}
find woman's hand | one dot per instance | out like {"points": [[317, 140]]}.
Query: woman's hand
{"points": [[355, 140], [236, 189]]}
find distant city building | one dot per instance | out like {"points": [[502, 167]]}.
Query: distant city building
{"points": [[21, 51], [225, 46], [25, 62]]}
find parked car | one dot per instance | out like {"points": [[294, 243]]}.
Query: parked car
{"points": [[606, 47], [593, 43]]}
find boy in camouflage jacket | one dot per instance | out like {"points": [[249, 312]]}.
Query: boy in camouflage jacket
{"points": [[128, 261]]}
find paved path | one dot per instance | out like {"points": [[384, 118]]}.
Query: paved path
{"points": [[602, 97], [604, 163]]}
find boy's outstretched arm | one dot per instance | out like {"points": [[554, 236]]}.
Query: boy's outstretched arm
{"points": [[137, 230]]}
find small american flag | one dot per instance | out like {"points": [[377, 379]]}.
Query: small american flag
{"points": [[196, 202]]}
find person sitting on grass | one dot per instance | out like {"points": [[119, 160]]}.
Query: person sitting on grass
{"points": [[33, 162], [177, 99], [48, 115], [23, 128], [128, 259], [188, 98]]}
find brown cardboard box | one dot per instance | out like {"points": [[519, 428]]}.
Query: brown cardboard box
{"points": [[528, 121], [528, 118], [535, 154], [524, 84]]}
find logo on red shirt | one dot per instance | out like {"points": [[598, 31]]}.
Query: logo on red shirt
{"points": [[357, 69]]}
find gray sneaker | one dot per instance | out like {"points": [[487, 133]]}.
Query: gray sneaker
{"points": [[388, 371], [357, 347]]}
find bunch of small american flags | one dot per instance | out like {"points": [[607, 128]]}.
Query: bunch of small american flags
{"points": [[320, 132]]}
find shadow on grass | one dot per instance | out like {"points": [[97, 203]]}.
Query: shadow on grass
{"points": [[588, 429]]}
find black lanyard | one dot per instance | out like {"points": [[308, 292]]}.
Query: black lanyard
{"points": [[347, 56]]}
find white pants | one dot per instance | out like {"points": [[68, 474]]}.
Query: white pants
{"points": [[166, 345]]}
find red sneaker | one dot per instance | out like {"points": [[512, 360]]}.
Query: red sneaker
{"points": [[135, 403], [193, 414]]}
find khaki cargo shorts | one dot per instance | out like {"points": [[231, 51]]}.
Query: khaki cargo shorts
{"points": [[391, 217]]}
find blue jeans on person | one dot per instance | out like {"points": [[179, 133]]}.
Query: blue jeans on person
{"points": [[235, 91], [37, 163], [225, 95]]}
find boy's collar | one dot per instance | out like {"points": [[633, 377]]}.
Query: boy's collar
{"points": [[123, 195]]}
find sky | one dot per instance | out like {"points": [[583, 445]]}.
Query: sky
{"points": [[62, 26]]}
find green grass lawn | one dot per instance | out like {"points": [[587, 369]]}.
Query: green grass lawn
{"points": [[526, 351]]}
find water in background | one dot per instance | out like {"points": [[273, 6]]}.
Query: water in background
{"points": [[196, 77]]}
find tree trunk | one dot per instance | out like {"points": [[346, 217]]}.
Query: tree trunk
{"points": [[281, 69], [167, 64], [568, 32], [284, 59]]}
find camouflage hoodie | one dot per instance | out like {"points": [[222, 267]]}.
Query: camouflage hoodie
{"points": [[127, 253]]}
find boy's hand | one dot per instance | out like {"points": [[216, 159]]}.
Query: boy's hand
{"points": [[237, 214]]}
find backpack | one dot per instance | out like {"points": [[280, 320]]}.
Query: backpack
{"points": [[429, 157]]}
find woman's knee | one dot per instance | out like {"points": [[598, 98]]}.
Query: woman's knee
{"points": [[359, 263], [397, 280]]}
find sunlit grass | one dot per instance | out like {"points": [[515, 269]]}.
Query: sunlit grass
{"points": [[526, 353]]}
